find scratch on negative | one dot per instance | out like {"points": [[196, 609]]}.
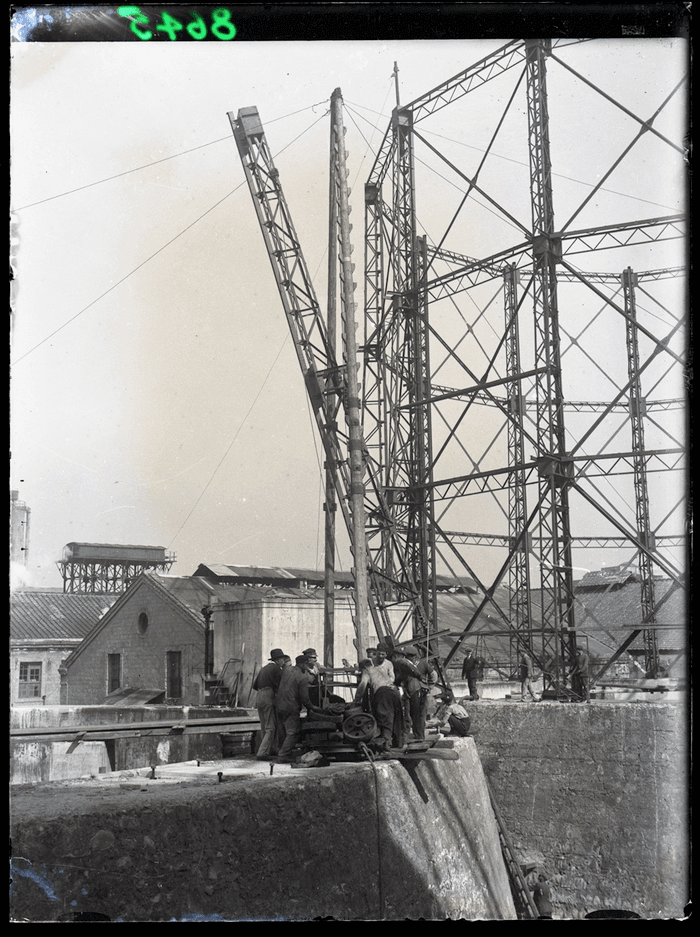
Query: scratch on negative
{"points": [[39, 877]]}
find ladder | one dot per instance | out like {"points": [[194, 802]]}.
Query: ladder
{"points": [[525, 906]]}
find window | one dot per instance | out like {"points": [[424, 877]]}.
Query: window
{"points": [[30, 680], [174, 675], [143, 622], [114, 672]]}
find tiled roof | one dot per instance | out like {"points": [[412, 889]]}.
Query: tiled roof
{"points": [[52, 616], [610, 577]]}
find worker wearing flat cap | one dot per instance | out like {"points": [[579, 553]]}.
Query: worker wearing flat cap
{"points": [[415, 688], [266, 683], [314, 671]]}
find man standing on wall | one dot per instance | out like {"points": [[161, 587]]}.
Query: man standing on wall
{"points": [[266, 683], [579, 676], [470, 668], [526, 669]]}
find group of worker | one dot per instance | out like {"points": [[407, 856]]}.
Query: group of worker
{"points": [[394, 686], [284, 688]]}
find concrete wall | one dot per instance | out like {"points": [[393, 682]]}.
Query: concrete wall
{"points": [[597, 795], [144, 655], [353, 842], [33, 761]]}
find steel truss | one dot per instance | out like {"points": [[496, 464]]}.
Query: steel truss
{"points": [[111, 577], [417, 422]]}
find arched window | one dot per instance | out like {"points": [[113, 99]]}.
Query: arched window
{"points": [[143, 622]]}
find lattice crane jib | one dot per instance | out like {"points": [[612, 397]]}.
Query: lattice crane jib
{"points": [[332, 388]]}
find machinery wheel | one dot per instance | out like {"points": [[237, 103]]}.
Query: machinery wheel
{"points": [[361, 727]]}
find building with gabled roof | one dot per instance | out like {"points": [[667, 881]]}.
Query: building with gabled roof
{"points": [[45, 628], [152, 637]]}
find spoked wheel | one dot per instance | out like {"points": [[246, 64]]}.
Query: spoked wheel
{"points": [[361, 727]]}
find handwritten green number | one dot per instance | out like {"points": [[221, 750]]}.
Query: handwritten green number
{"points": [[136, 16], [222, 27], [169, 25], [197, 28]]}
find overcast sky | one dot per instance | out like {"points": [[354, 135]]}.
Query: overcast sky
{"points": [[168, 407]]}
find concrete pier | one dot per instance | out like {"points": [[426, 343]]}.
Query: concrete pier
{"points": [[352, 841]]}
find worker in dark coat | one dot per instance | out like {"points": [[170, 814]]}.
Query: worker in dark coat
{"points": [[470, 670], [542, 894], [579, 676], [415, 688], [315, 670], [292, 697], [266, 683]]}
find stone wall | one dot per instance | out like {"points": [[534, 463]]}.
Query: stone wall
{"points": [[597, 796], [351, 842]]}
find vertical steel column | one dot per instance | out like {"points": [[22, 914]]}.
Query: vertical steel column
{"points": [[641, 492], [353, 402], [519, 569], [410, 300], [329, 506], [374, 407], [557, 631]]}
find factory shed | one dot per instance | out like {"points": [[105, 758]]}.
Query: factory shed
{"points": [[608, 609], [45, 627], [295, 577]]}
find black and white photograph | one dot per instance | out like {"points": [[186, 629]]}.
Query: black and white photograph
{"points": [[350, 507]]}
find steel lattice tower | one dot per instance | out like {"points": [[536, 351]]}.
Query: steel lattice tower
{"points": [[417, 423]]}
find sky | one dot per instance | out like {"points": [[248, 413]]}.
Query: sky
{"points": [[155, 394]]}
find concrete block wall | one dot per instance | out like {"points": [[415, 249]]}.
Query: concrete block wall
{"points": [[597, 795], [144, 660], [352, 842], [40, 761]]}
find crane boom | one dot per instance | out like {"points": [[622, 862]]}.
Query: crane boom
{"points": [[327, 383], [328, 388]]}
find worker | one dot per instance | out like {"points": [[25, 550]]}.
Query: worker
{"points": [[381, 660], [293, 696], [470, 670], [542, 894], [385, 703], [452, 714], [266, 683], [526, 668], [415, 688], [579, 676], [315, 671]]}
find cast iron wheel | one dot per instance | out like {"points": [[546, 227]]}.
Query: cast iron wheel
{"points": [[360, 727]]}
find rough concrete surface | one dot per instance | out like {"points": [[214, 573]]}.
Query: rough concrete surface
{"points": [[597, 795], [351, 841]]}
